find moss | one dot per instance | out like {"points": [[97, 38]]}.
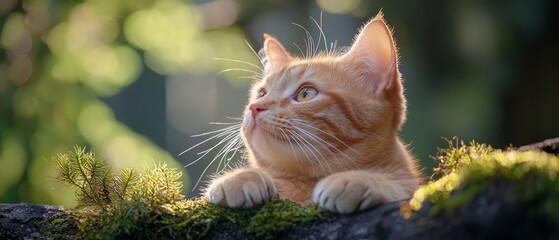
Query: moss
{"points": [[465, 170], [191, 219], [149, 205], [279, 216], [60, 226]]}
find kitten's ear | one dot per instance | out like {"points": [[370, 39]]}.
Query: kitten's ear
{"points": [[374, 54], [273, 54]]}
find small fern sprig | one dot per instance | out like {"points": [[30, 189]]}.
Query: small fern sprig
{"points": [[99, 186], [96, 183], [149, 204], [160, 185], [123, 184]]}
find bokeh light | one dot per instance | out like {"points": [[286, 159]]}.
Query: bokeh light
{"points": [[339, 7], [133, 79], [13, 155]]}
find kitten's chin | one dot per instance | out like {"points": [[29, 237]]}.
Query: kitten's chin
{"points": [[272, 150], [268, 148], [264, 143], [279, 156]]}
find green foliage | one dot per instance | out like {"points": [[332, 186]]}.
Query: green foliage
{"points": [[148, 204], [97, 185], [158, 185], [281, 215], [60, 59], [468, 169], [458, 154], [60, 226]]}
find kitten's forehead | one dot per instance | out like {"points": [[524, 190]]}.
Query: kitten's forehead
{"points": [[289, 77]]}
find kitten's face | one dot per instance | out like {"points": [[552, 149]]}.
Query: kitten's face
{"points": [[326, 113]]}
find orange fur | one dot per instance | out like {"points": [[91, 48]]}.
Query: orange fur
{"points": [[340, 147]]}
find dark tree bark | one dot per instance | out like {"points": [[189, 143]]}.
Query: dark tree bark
{"points": [[24, 221], [497, 212]]}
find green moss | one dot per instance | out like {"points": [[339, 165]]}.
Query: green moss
{"points": [[192, 219], [457, 155], [468, 169], [149, 205], [60, 226], [279, 216]]}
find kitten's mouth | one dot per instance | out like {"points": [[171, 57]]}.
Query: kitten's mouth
{"points": [[261, 130], [268, 133]]}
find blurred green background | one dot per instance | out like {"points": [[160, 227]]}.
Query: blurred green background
{"points": [[133, 79]]}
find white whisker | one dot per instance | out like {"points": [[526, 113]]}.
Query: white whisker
{"points": [[319, 161], [203, 173], [241, 70], [207, 151], [205, 141], [233, 126], [321, 35], [309, 42], [226, 123], [311, 145], [230, 142], [240, 61], [249, 77], [223, 152], [308, 145], [333, 46], [212, 132], [288, 140], [300, 50], [374, 134], [298, 144], [305, 123], [323, 142], [316, 139], [236, 119], [252, 49]]}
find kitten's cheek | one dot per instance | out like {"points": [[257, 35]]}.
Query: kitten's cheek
{"points": [[248, 123], [249, 120]]}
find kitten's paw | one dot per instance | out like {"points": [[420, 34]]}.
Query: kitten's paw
{"points": [[348, 192], [242, 188]]}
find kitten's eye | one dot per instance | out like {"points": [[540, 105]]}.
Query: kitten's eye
{"points": [[306, 94], [260, 94]]}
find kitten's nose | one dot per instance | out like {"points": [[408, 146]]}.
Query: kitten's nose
{"points": [[255, 108]]}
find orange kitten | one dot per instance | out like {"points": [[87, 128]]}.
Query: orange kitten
{"points": [[324, 130]]}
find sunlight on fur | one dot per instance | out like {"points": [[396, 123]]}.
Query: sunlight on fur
{"points": [[321, 128]]}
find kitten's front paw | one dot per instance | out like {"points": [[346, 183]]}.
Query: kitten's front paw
{"points": [[348, 192], [244, 188]]}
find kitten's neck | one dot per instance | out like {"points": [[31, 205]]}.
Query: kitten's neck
{"points": [[400, 164], [291, 184], [393, 155], [295, 189], [292, 176]]}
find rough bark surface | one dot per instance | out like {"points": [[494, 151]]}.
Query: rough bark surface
{"points": [[489, 215], [23, 221], [550, 146]]}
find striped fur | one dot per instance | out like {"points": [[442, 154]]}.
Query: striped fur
{"points": [[339, 149]]}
